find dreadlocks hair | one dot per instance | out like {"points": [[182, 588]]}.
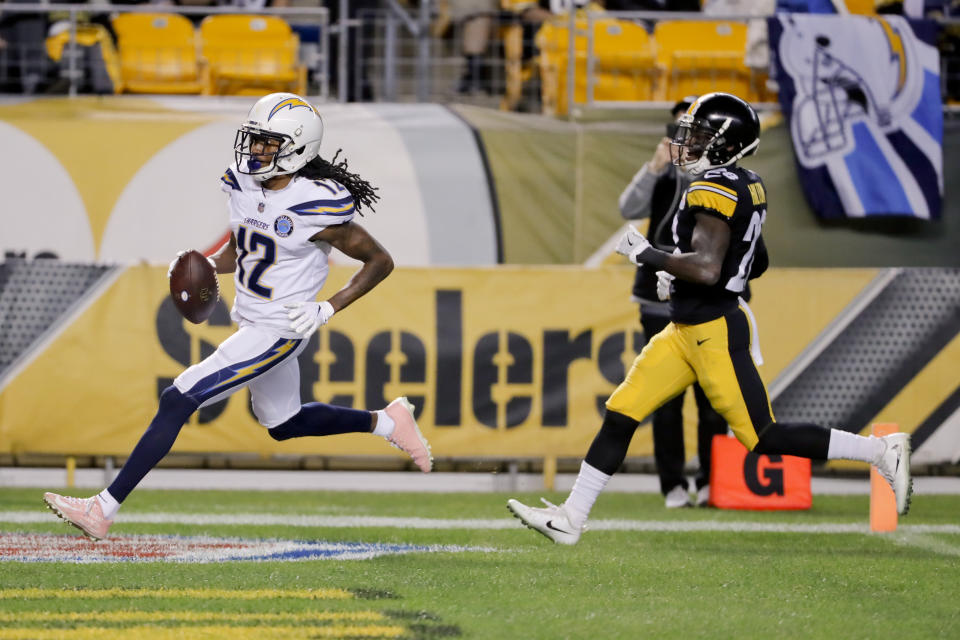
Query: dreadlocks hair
{"points": [[364, 194]]}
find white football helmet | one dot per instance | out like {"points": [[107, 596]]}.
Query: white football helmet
{"points": [[838, 87], [289, 121]]}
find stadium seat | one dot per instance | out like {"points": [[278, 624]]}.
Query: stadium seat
{"points": [[158, 53], [250, 55], [696, 57], [623, 62]]}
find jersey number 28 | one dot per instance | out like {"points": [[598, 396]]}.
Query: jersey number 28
{"points": [[252, 243]]}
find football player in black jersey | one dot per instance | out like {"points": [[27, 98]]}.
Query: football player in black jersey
{"points": [[717, 231], [655, 193]]}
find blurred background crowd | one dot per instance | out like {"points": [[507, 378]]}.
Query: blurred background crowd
{"points": [[510, 54]]}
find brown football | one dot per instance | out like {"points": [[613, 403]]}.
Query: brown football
{"points": [[194, 287]]}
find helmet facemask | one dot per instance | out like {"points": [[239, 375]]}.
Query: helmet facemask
{"points": [[267, 161], [694, 144], [698, 146]]}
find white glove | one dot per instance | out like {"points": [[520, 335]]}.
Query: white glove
{"points": [[664, 285], [307, 317], [632, 244], [177, 257]]}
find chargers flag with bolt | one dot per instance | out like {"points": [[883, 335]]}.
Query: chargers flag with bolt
{"points": [[862, 97]]}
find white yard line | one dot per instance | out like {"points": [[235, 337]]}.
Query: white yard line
{"points": [[362, 522], [925, 541], [388, 481]]}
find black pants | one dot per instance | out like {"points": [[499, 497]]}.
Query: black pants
{"points": [[668, 449]]}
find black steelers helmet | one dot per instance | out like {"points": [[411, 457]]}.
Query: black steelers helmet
{"points": [[717, 130]]}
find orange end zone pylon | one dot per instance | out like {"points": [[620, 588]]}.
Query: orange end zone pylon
{"points": [[883, 504]]}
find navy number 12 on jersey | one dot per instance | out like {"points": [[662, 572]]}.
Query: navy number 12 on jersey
{"points": [[251, 243]]}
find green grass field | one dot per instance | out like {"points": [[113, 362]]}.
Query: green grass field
{"points": [[728, 579]]}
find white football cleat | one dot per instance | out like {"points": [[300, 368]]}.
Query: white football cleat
{"points": [[552, 522], [83, 513], [894, 465], [677, 498]]}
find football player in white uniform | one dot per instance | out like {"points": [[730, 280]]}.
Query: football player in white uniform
{"points": [[288, 208]]}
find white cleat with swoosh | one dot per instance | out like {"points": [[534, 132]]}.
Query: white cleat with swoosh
{"points": [[552, 521], [894, 465]]}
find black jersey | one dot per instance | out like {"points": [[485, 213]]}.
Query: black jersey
{"points": [[736, 196]]}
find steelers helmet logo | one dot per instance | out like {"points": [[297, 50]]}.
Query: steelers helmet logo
{"points": [[283, 226]]}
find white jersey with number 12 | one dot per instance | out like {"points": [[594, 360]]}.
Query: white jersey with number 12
{"points": [[276, 262]]}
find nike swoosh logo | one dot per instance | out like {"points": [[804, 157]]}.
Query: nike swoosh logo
{"points": [[550, 526], [700, 342], [629, 243]]}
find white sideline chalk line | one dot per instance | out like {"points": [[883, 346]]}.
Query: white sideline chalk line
{"points": [[923, 540], [342, 522]]}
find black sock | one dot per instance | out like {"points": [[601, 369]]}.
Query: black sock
{"points": [[794, 439], [610, 445], [319, 419]]}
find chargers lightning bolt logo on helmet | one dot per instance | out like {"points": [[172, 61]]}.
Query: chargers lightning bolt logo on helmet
{"points": [[292, 103]]}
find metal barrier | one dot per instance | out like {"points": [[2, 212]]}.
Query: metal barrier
{"points": [[513, 69], [399, 50], [593, 26], [418, 26], [512, 63]]}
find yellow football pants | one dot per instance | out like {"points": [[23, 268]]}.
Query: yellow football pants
{"points": [[717, 355]]}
